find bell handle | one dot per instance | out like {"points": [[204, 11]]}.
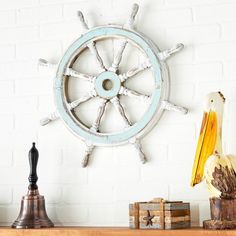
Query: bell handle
{"points": [[33, 161]]}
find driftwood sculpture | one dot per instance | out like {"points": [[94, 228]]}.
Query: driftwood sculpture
{"points": [[219, 170]]}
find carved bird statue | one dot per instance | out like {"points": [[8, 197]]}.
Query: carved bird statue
{"points": [[219, 170]]}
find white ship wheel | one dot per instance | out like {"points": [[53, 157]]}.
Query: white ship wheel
{"points": [[109, 86]]}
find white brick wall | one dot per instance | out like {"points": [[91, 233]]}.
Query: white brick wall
{"points": [[100, 195]]}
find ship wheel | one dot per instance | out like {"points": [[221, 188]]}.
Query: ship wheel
{"points": [[109, 86]]}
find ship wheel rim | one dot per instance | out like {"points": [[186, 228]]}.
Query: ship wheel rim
{"points": [[154, 111]]}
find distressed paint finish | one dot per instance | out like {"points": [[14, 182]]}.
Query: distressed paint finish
{"points": [[113, 77], [109, 86], [160, 92]]}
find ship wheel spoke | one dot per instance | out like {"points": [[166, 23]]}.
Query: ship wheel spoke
{"points": [[92, 45], [118, 55], [94, 128], [116, 102], [83, 99], [134, 71], [76, 74], [133, 94], [123, 42], [100, 113], [93, 49], [54, 115]]}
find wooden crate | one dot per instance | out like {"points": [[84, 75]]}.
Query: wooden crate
{"points": [[159, 214]]}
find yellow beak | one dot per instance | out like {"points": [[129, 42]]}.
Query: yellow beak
{"points": [[205, 147]]}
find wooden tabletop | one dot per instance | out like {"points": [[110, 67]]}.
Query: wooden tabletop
{"points": [[95, 231]]}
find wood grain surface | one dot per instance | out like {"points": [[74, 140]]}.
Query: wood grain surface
{"points": [[85, 231]]}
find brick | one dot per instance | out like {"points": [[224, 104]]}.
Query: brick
{"points": [[6, 139], [112, 174], [62, 30], [33, 87], [190, 2], [7, 52], [7, 18], [102, 10], [52, 193], [18, 69], [46, 104], [187, 91], [7, 106], [123, 174], [25, 104], [216, 52], [26, 121], [149, 173], [75, 175], [101, 175], [140, 191], [42, 2], [229, 70], [19, 34], [193, 34], [39, 50], [123, 7], [20, 156], [196, 72], [104, 215], [231, 136], [197, 193], [55, 154], [12, 175], [39, 15], [92, 193], [169, 133], [53, 174], [8, 214], [5, 195], [227, 32], [6, 88], [218, 13], [6, 157], [121, 216], [71, 214], [172, 17], [156, 153], [14, 4], [122, 159], [181, 153], [6, 123]]}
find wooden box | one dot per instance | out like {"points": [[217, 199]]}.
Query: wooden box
{"points": [[159, 214]]}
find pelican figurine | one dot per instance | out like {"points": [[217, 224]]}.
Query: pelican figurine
{"points": [[219, 170]]}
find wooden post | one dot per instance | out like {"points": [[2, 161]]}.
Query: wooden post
{"points": [[223, 214]]}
